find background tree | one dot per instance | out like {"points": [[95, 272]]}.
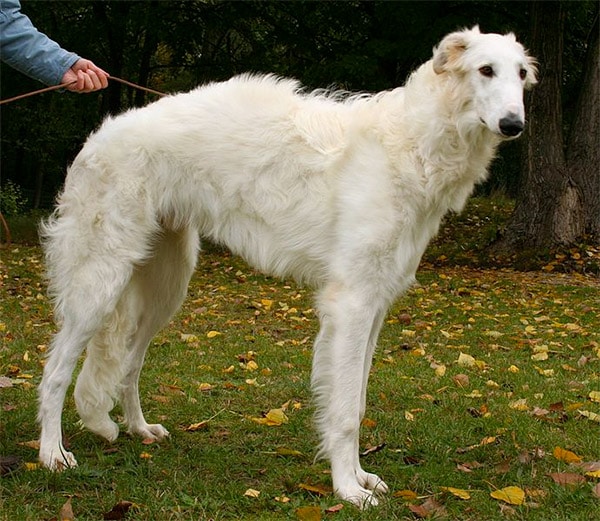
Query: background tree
{"points": [[356, 45], [559, 199]]}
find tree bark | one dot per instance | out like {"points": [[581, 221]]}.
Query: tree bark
{"points": [[532, 224], [559, 199], [583, 150]]}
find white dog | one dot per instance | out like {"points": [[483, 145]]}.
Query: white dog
{"points": [[341, 192]]}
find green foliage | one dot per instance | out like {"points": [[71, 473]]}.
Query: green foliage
{"points": [[12, 201], [176, 45]]}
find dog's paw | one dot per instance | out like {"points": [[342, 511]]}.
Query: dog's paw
{"points": [[58, 459], [372, 482], [154, 431], [361, 490], [358, 496]]}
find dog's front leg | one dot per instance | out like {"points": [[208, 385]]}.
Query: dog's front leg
{"points": [[341, 356]]}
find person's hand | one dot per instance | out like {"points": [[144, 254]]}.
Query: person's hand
{"points": [[85, 76]]}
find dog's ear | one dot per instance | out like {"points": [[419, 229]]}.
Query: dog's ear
{"points": [[447, 54], [532, 71]]}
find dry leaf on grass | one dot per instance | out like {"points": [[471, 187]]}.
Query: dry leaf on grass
{"points": [[119, 511], [66, 512], [590, 415], [371, 449], [309, 514], [567, 479], [321, 490], [565, 455], [511, 495], [406, 495], [458, 492], [273, 418], [430, 508], [253, 493], [9, 464]]}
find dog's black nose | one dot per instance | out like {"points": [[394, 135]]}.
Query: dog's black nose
{"points": [[511, 125]]}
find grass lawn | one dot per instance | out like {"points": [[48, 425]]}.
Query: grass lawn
{"points": [[484, 379]]}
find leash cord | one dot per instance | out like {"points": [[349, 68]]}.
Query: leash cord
{"points": [[64, 85]]}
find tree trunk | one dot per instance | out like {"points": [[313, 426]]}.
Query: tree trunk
{"points": [[583, 150], [533, 223]]}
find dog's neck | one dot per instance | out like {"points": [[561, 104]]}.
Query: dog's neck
{"points": [[451, 147]]}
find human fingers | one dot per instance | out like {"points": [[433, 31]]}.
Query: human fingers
{"points": [[97, 76]]}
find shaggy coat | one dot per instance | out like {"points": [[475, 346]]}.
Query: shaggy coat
{"points": [[340, 192]]}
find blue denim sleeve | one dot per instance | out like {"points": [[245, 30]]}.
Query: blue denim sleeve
{"points": [[29, 51]]}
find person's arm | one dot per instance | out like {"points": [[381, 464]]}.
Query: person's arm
{"points": [[29, 51]]}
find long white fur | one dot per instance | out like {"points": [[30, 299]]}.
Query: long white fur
{"points": [[341, 193]]}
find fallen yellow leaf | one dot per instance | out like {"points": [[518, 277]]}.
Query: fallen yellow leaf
{"points": [[458, 492], [465, 360], [321, 490], [519, 405], [440, 370], [565, 455], [544, 372], [511, 495], [368, 423], [284, 451], [406, 495], [594, 396], [267, 303], [538, 357], [212, 334], [196, 426], [308, 514], [590, 415], [33, 444], [274, 417], [252, 493]]}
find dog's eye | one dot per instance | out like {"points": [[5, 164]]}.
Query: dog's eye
{"points": [[523, 74], [486, 71]]}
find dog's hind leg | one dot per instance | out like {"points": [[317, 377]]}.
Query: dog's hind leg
{"points": [[160, 286], [84, 301], [116, 354]]}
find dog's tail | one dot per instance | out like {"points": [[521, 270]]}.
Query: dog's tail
{"points": [[98, 384]]}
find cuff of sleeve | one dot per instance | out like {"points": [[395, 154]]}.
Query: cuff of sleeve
{"points": [[62, 66]]}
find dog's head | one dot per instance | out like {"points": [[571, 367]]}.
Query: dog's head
{"points": [[497, 69]]}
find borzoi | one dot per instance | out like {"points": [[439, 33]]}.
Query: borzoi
{"points": [[341, 192]]}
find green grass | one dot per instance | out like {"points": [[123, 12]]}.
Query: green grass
{"points": [[430, 425]]}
